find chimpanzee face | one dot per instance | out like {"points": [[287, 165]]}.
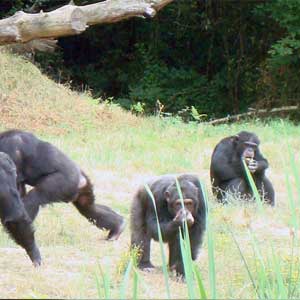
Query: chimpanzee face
{"points": [[190, 198], [249, 150], [246, 144], [188, 205]]}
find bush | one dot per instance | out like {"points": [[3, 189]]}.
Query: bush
{"points": [[176, 89]]}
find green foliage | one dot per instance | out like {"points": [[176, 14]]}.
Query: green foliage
{"points": [[9, 7], [177, 88], [281, 70], [138, 108], [220, 57], [258, 199], [287, 14]]}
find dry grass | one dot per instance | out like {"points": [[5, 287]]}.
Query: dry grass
{"points": [[31, 101], [119, 152]]}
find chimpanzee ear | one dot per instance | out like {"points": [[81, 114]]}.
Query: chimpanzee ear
{"points": [[235, 138], [167, 196]]}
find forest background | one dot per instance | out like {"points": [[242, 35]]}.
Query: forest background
{"points": [[220, 57]]}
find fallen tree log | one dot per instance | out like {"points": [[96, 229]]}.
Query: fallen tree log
{"points": [[71, 19], [253, 113]]}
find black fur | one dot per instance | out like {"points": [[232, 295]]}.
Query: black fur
{"points": [[54, 178], [144, 224], [12, 211], [227, 171]]}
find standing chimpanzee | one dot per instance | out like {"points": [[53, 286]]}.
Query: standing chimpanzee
{"points": [[227, 171], [55, 178], [171, 216], [12, 211]]}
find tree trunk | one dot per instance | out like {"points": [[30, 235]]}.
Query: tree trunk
{"points": [[71, 19]]}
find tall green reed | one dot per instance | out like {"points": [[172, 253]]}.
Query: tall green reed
{"points": [[268, 276], [255, 192]]}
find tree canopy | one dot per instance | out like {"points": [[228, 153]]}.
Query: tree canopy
{"points": [[220, 57]]}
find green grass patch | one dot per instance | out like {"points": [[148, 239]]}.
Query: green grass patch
{"points": [[246, 253]]}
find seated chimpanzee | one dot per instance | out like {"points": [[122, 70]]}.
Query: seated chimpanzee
{"points": [[54, 178], [227, 171], [12, 211], [171, 216]]}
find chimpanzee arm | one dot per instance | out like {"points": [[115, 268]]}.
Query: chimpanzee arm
{"points": [[169, 228], [23, 234], [18, 224], [175, 257], [196, 234]]}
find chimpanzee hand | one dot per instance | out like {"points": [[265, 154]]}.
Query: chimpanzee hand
{"points": [[180, 216], [252, 165], [183, 215]]}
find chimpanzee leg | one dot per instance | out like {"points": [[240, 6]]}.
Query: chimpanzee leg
{"points": [[103, 217], [143, 242], [100, 215], [140, 236], [266, 190], [144, 262], [23, 234], [52, 188]]}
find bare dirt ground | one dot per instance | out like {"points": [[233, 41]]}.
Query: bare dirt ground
{"points": [[118, 150], [73, 250]]}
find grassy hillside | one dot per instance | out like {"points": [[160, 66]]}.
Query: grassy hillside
{"points": [[119, 151], [31, 101]]}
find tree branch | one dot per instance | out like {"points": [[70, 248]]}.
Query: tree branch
{"points": [[259, 112], [71, 19]]}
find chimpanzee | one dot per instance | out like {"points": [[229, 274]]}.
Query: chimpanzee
{"points": [[227, 171], [55, 178], [12, 211], [171, 216]]}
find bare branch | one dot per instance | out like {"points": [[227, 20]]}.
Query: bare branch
{"points": [[253, 113], [71, 19]]}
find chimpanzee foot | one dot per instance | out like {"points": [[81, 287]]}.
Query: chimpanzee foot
{"points": [[115, 233], [37, 263], [146, 266], [180, 278], [178, 269]]}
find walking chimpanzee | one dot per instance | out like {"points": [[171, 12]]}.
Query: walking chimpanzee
{"points": [[54, 178], [171, 216], [227, 171], [12, 211]]}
